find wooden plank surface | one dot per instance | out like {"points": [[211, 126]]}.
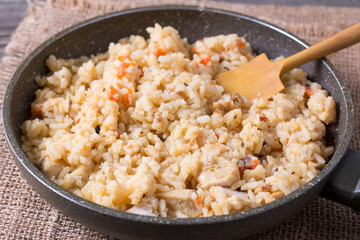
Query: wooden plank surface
{"points": [[13, 11]]}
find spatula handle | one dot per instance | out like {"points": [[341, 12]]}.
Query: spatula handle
{"points": [[340, 40]]}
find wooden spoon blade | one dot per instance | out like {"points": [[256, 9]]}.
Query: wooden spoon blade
{"points": [[255, 79]]}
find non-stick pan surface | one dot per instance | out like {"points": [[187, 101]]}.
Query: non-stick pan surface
{"points": [[194, 23]]}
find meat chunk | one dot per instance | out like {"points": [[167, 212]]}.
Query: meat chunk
{"points": [[52, 167], [142, 209], [323, 106], [227, 200], [213, 152], [224, 174], [143, 182], [180, 203]]}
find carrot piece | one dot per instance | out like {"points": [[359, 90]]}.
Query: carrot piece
{"points": [[121, 71], [125, 63], [254, 163], [128, 64], [205, 61], [194, 49], [159, 52], [114, 94], [122, 58], [249, 164], [266, 188], [198, 200], [37, 110], [128, 97], [308, 90], [240, 43], [264, 119]]}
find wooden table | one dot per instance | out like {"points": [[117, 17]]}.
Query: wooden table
{"points": [[13, 11]]}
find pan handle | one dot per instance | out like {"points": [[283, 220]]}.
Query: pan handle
{"points": [[343, 185]]}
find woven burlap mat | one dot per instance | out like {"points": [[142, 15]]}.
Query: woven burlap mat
{"points": [[24, 215]]}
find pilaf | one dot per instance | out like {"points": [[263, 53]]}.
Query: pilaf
{"points": [[144, 128]]}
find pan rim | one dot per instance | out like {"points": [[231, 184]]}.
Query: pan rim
{"points": [[22, 159]]}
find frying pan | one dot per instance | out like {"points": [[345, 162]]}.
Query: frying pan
{"points": [[194, 23]]}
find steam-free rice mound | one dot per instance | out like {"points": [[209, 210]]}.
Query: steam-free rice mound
{"points": [[144, 128]]}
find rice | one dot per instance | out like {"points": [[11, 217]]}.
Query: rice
{"points": [[144, 128]]}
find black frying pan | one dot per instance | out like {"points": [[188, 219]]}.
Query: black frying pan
{"points": [[94, 35]]}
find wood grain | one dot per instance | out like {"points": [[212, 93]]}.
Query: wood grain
{"points": [[11, 13], [340, 40]]}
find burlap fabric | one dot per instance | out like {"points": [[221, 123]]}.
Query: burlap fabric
{"points": [[24, 215]]}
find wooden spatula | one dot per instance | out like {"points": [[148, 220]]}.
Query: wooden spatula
{"points": [[261, 78]]}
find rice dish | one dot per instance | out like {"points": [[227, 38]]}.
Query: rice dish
{"points": [[144, 128]]}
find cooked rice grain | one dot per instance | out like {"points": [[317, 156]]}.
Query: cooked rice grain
{"points": [[144, 128]]}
